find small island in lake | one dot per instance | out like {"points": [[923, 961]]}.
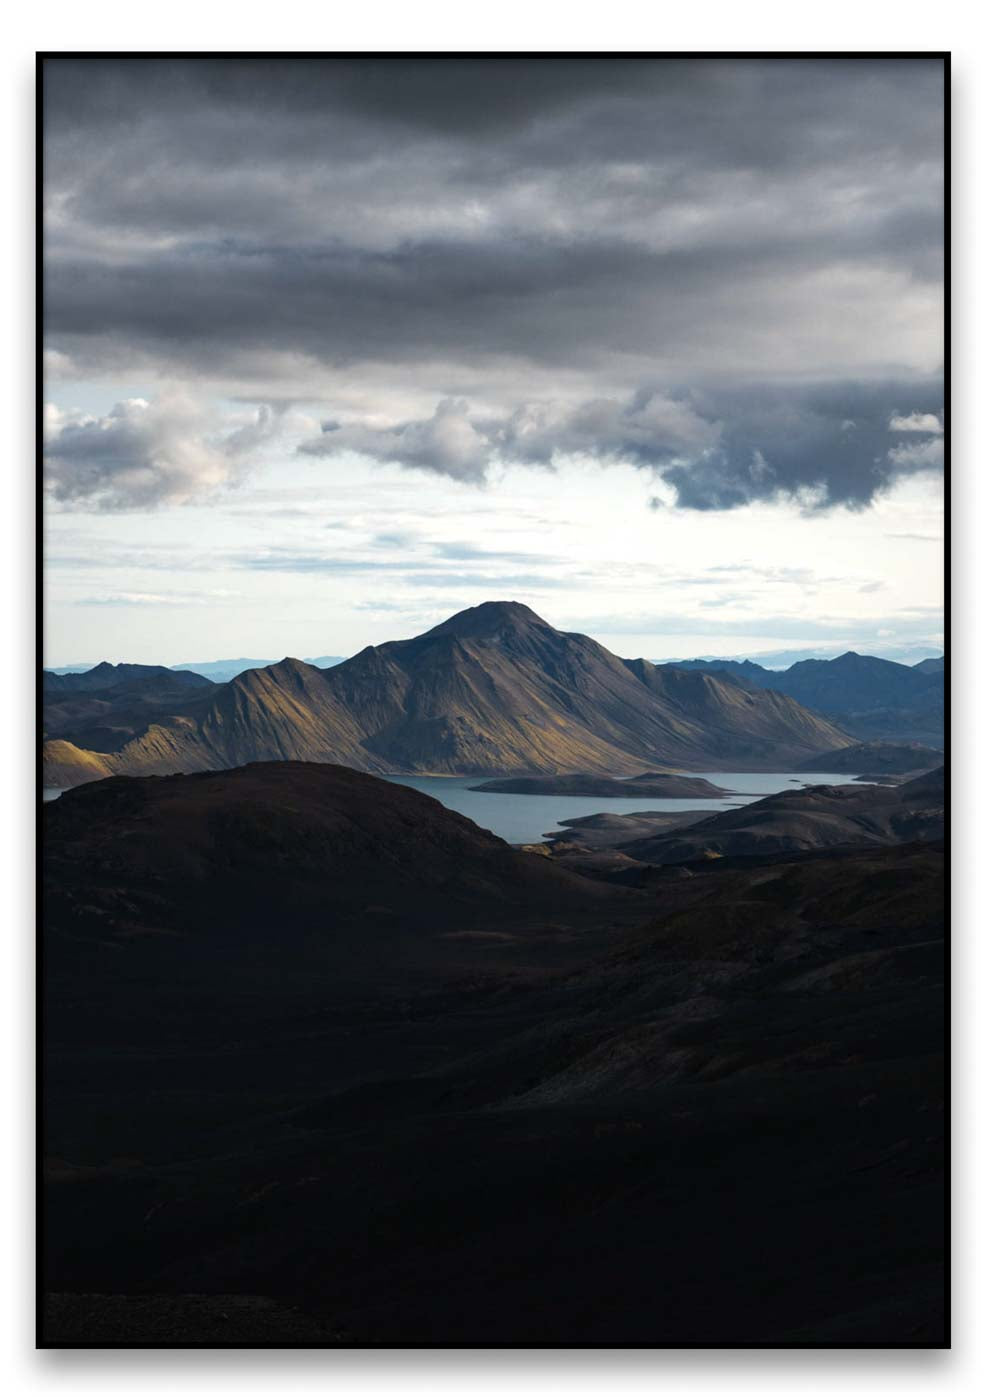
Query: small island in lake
{"points": [[593, 785]]}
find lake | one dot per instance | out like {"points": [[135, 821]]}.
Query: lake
{"points": [[521, 818]]}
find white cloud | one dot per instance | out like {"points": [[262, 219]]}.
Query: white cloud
{"points": [[648, 430], [915, 423], [918, 456], [448, 443], [142, 454], [55, 365]]}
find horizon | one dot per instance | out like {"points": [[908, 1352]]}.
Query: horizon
{"points": [[784, 658]]}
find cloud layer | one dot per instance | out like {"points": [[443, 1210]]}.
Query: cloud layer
{"points": [[705, 269], [718, 449]]}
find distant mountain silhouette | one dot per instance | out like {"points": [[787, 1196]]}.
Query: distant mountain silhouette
{"points": [[867, 696], [106, 676], [875, 757], [226, 670], [494, 690], [746, 670]]}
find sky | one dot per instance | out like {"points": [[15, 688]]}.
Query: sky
{"points": [[335, 348]]}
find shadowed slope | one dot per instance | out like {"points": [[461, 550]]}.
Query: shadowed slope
{"points": [[718, 1127], [806, 820], [320, 844]]}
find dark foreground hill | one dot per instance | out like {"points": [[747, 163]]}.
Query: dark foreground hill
{"points": [[522, 1109], [311, 846], [807, 819], [493, 691]]}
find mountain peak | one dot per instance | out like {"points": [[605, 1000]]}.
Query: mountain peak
{"points": [[487, 619]]}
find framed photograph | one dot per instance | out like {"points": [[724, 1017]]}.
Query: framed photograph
{"points": [[492, 700]]}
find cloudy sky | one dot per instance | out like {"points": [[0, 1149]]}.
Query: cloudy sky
{"points": [[335, 349]]}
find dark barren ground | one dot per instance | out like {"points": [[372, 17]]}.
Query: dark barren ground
{"points": [[327, 1065]]}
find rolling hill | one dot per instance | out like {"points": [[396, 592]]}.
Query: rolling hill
{"points": [[808, 819], [494, 690], [285, 845], [324, 1062]]}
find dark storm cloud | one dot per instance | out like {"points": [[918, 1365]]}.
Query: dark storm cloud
{"points": [[837, 443], [646, 260], [825, 445]]}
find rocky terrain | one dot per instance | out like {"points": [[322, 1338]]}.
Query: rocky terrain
{"points": [[324, 1062]]}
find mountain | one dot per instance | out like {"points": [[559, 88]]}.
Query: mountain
{"points": [[97, 713], [908, 655], [739, 670], [105, 676], [871, 698], [875, 757], [227, 670], [813, 818], [852, 683], [494, 690], [865, 695], [931, 666]]}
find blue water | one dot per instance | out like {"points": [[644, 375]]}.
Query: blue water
{"points": [[521, 818]]}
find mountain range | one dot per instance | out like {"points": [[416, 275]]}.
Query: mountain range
{"points": [[211, 670], [907, 655], [867, 696], [493, 691], [233, 666], [106, 677]]}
